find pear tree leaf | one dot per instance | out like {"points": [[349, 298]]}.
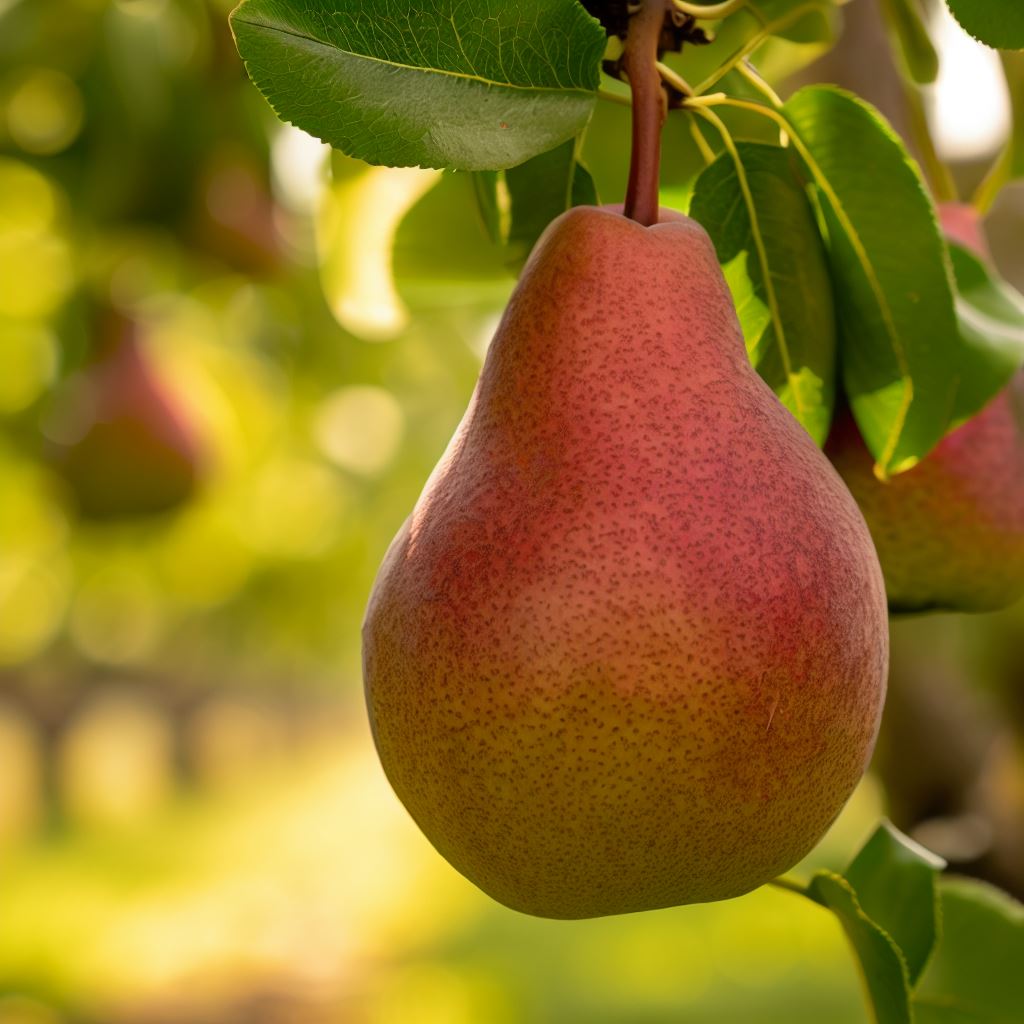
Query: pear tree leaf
{"points": [[991, 316], [770, 250], [905, 21], [584, 188], [486, 186], [900, 347], [882, 964], [471, 86], [995, 23], [472, 266], [516, 205], [975, 975], [895, 881], [539, 190], [1013, 70]]}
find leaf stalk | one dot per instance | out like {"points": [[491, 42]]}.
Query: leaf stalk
{"points": [[712, 12]]}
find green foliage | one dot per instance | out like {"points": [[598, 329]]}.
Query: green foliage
{"points": [[991, 317], [901, 352], [518, 204], [933, 950], [975, 975], [1013, 69], [770, 249], [920, 61], [993, 22], [886, 902], [894, 880], [881, 962], [469, 86], [472, 265], [911, 370]]}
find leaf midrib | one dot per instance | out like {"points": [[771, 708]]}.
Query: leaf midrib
{"points": [[461, 76], [877, 289]]}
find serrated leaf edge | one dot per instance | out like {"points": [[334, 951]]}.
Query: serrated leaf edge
{"points": [[972, 34], [845, 884]]}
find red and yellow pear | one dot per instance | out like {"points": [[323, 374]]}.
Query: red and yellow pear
{"points": [[629, 651], [949, 531]]}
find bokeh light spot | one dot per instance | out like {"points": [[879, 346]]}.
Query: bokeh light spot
{"points": [[970, 104], [360, 428], [33, 596], [202, 561], [296, 509], [115, 763], [117, 615], [30, 362], [35, 261], [21, 782], [28, 200], [298, 160], [44, 112], [231, 737], [356, 227]]}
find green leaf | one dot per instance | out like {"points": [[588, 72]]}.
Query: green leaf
{"points": [[539, 190], [770, 250], [488, 204], [584, 188], [881, 962], [900, 347], [439, 247], [518, 204], [991, 315], [474, 86], [895, 882], [920, 60], [975, 976], [1013, 69], [998, 23]]}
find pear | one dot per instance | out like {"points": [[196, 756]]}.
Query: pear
{"points": [[121, 442], [961, 223], [949, 531], [629, 651]]}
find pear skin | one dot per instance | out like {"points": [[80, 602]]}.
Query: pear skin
{"points": [[629, 651], [950, 531]]}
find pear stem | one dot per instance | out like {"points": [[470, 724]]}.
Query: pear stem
{"points": [[650, 105]]}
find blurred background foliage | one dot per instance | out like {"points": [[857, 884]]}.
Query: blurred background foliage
{"points": [[193, 826]]}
